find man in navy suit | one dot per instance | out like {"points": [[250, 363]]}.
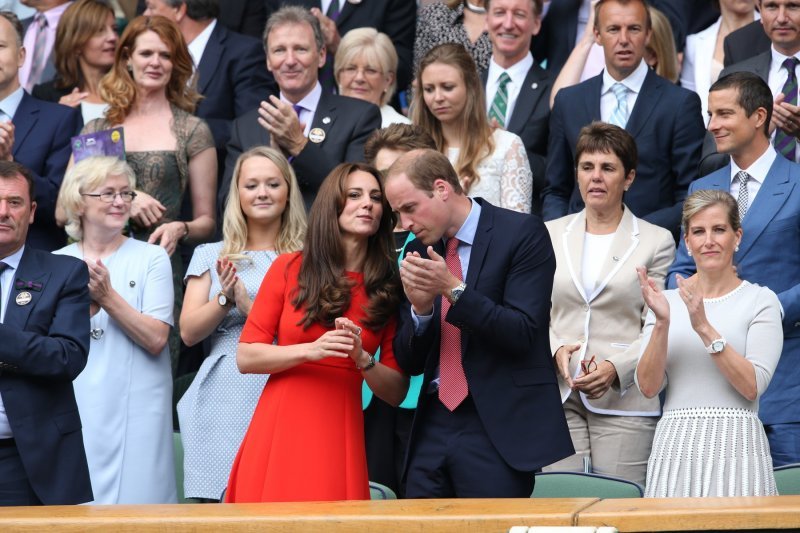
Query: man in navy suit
{"points": [[664, 119], [740, 106], [316, 130], [44, 327], [511, 25], [476, 323], [230, 67], [34, 133]]}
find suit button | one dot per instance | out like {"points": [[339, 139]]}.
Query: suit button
{"points": [[586, 308]]}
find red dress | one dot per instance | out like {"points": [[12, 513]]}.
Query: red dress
{"points": [[306, 439]]}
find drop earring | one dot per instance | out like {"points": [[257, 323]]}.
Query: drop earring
{"points": [[689, 252]]}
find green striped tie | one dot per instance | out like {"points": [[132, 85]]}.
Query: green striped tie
{"points": [[500, 102]]}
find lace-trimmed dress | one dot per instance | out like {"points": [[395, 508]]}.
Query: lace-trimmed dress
{"points": [[505, 175], [709, 441], [217, 407]]}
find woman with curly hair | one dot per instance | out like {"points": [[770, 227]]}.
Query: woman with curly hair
{"points": [[318, 317]]}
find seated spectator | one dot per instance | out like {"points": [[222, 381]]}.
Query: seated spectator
{"points": [[35, 134], [366, 68], [598, 312], [86, 40], [704, 55], [314, 129], [450, 106], [712, 345], [264, 217], [125, 392]]}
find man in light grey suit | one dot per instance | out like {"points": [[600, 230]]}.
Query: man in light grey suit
{"points": [[767, 187]]}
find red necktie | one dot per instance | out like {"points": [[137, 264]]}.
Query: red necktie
{"points": [[452, 381]]}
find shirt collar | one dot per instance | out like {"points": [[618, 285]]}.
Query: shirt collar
{"points": [[516, 72], [10, 103], [13, 260], [52, 15], [633, 82], [760, 167], [466, 233], [310, 101], [198, 44], [778, 59]]}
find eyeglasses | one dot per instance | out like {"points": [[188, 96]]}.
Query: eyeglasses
{"points": [[369, 72], [108, 197], [588, 365]]}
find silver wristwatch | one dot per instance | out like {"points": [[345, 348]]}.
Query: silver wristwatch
{"points": [[716, 346], [456, 292]]}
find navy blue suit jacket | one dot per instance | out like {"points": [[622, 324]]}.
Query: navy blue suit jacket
{"points": [[529, 120], [504, 318], [233, 79], [45, 345], [347, 122], [769, 254], [42, 132], [668, 127]]}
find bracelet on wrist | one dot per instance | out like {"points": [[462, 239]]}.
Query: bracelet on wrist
{"points": [[369, 365], [185, 231]]}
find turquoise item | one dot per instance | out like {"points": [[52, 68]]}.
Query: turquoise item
{"points": [[414, 387]]}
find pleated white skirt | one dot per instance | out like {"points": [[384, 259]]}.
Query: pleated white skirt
{"points": [[709, 451]]}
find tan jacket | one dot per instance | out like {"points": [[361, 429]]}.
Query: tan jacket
{"points": [[607, 323]]}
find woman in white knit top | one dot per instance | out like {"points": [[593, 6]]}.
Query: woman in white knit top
{"points": [[713, 343]]}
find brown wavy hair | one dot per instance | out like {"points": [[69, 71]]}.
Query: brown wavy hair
{"points": [[476, 133], [79, 23], [322, 287], [118, 87]]}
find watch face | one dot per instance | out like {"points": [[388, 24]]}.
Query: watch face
{"points": [[222, 300], [718, 346]]}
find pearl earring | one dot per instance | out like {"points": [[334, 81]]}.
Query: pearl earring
{"points": [[689, 252], [736, 249]]}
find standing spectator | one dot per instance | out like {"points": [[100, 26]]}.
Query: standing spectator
{"points": [[125, 392], [317, 319], [517, 89], [712, 345], [44, 324], [40, 38], [264, 217], [86, 42], [664, 119], [450, 106], [314, 129], [35, 134], [769, 254], [366, 68]]}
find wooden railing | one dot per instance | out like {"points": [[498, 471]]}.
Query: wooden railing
{"points": [[436, 516]]}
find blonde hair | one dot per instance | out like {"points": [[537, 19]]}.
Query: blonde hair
{"points": [[476, 142], [703, 199], [372, 46], [118, 87], [293, 219], [662, 46], [86, 175]]}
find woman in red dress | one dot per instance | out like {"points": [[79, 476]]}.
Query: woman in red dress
{"points": [[317, 318]]}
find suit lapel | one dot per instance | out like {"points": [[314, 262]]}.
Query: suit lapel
{"points": [[762, 63], [530, 93], [646, 101], [591, 98], [572, 245], [625, 241], [483, 236], [17, 314], [24, 119], [210, 60], [347, 10], [771, 196], [325, 115]]}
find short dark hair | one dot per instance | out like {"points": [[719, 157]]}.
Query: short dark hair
{"points": [[609, 139], [402, 137], [538, 5], [198, 9], [753, 93], [16, 24], [648, 20], [423, 168], [12, 169]]}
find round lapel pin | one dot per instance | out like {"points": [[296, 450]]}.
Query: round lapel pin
{"points": [[24, 298], [317, 135], [326, 120]]}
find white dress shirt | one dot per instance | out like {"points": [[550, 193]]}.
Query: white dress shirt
{"points": [[758, 172], [198, 44], [634, 82], [516, 72], [309, 105]]}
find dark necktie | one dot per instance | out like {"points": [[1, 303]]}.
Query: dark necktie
{"points": [[785, 143], [452, 380], [326, 78]]}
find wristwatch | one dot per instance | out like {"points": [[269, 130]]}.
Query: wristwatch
{"points": [[456, 292], [369, 365], [716, 346], [223, 300]]}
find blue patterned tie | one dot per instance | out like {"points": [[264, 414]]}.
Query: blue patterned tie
{"points": [[619, 117], [500, 103], [784, 143]]}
